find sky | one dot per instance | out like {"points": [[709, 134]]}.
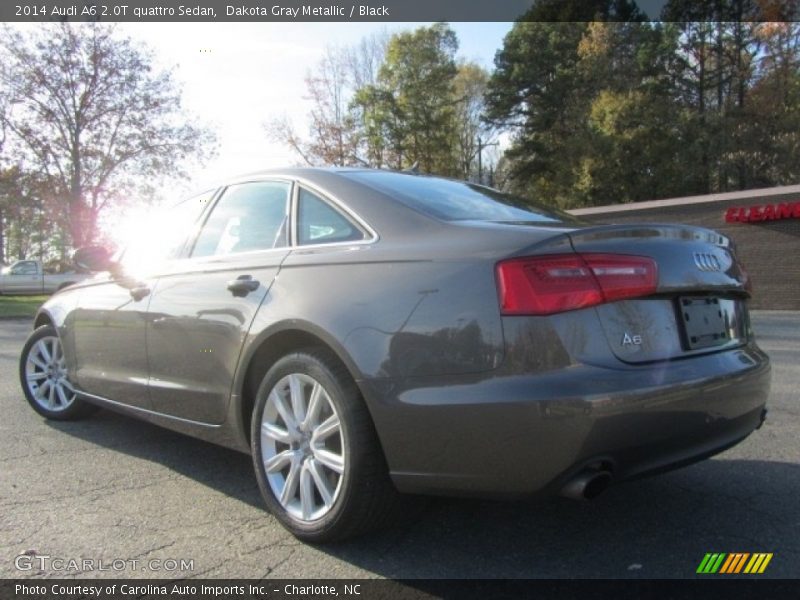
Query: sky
{"points": [[236, 76]]}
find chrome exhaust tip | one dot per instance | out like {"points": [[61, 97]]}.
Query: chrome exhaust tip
{"points": [[587, 485]]}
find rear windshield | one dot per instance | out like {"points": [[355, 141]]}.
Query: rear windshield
{"points": [[458, 201]]}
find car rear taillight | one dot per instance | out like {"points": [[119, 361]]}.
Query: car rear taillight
{"points": [[543, 285]]}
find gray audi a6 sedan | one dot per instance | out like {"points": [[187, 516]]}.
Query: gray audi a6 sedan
{"points": [[363, 333]]}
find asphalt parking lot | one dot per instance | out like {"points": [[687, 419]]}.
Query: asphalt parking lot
{"points": [[113, 488]]}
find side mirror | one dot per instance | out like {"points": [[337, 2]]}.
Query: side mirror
{"points": [[93, 258]]}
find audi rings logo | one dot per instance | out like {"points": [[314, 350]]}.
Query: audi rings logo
{"points": [[707, 262]]}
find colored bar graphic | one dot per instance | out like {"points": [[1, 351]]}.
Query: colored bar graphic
{"points": [[734, 563], [758, 563], [703, 563], [755, 562], [728, 563], [711, 563], [741, 562], [715, 567]]}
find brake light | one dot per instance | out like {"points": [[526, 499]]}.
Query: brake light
{"points": [[543, 285]]}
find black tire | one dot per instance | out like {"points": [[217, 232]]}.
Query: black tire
{"points": [[366, 497], [75, 409]]}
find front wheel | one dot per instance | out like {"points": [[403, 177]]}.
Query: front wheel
{"points": [[317, 458], [44, 378]]}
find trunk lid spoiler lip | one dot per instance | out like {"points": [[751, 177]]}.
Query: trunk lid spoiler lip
{"points": [[565, 239], [653, 230]]}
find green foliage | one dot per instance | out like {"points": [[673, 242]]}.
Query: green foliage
{"points": [[29, 223], [409, 102], [20, 307], [583, 10], [414, 103], [620, 112], [535, 90]]}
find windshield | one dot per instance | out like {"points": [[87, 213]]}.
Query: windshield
{"points": [[458, 200]]}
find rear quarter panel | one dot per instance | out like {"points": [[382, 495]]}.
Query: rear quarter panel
{"points": [[392, 314]]}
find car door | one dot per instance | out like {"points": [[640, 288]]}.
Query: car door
{"points": [[109, 323], [24, 278], [201, 312]]}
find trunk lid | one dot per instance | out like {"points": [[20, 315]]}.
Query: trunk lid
{"points": [[699, 305], [689, 258]]}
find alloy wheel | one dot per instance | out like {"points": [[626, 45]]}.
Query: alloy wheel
{"points": [[302, 447], [46, 375]]}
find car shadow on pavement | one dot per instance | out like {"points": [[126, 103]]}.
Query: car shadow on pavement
{"points": [[222, 469], [657, 527]]}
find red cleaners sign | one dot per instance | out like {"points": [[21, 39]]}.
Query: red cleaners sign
{"points": [[763, 212]]}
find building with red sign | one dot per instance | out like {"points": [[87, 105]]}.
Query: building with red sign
{"points": [[764, 224]]}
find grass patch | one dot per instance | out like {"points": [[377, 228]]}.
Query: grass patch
{"points": [[20, 306]]}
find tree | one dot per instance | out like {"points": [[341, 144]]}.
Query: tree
{"points": [[332, 140], [88, 114], [633, 150], [395, 103], [715, 59], [583, 11], [625, 111], [774, 131], [365, 58], [28, 223], [534, 92], [334, 136], [418, 76], [380, 126], [471, 131]]}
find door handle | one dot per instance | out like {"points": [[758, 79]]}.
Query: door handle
{"points": [[243, 285], [137, 293]]}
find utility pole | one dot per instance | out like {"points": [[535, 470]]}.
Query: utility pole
{"points": [[2, 238], [481, 146]]}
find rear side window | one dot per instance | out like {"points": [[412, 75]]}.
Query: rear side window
{"points": [[248, 217], [458, 200], [319, 223]]}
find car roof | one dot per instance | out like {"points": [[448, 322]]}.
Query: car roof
{"points": [[312, 173], [385, 209]]}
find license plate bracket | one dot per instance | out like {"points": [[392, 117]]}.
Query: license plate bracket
{"points": [[704, 322]]}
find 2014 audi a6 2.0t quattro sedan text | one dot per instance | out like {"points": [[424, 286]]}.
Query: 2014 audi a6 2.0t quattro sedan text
{"points": [[363, 333]]}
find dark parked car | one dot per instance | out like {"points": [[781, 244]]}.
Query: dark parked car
{"points": [[363, 333]]}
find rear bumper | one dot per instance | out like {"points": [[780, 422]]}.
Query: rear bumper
{"points": [[521, 434]]}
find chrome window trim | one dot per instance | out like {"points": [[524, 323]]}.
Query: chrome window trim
{"points": [[371, 236], [220, 194], [185, 263]]}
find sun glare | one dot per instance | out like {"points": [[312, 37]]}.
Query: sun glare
{"points": [[145, 237]]}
